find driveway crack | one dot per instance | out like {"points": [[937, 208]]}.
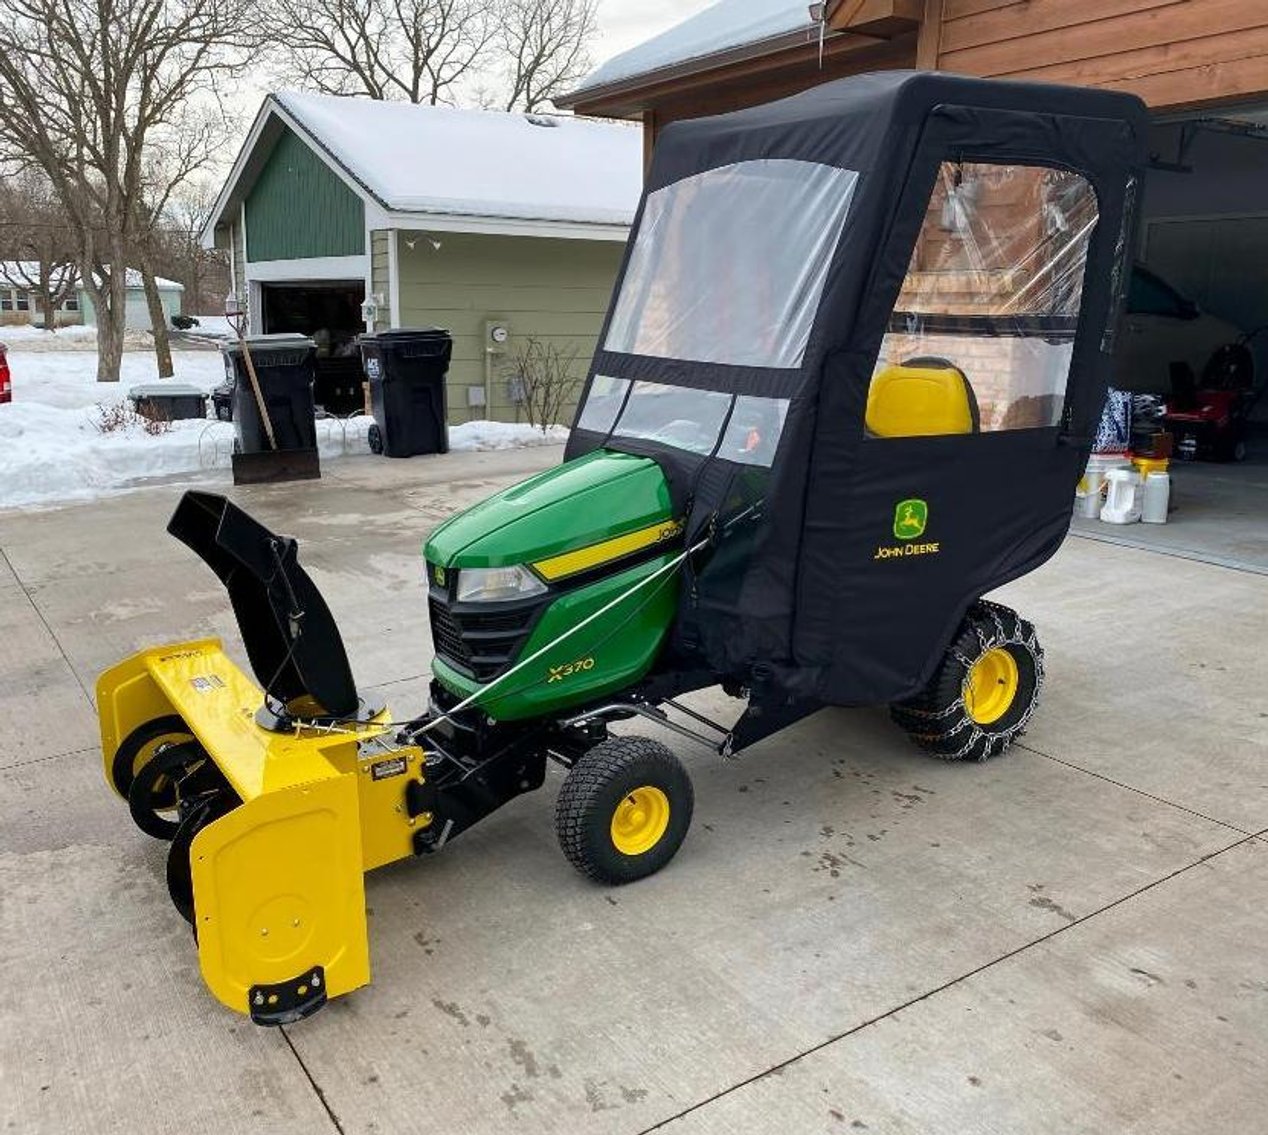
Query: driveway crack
{"points": [[325, 1103], [783, 1064], [51, 633]]}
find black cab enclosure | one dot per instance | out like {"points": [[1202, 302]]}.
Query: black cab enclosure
{"points": [[866, 331]]}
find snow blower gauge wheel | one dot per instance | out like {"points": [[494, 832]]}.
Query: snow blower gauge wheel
{"points": [[624, 809], [983, 692], [154, 797], [141, 745]]}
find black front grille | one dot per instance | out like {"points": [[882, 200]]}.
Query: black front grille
{"points": [[447, 636], [479, 639]]}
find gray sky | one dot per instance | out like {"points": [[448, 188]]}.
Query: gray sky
{"points": [[624, 23]]}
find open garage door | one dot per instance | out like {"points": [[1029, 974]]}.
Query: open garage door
{"points": [[1200, 285], [330, 313]]}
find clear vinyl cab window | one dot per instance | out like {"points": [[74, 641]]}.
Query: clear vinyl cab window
{"points": [[982, 335], [741, 428], [728, 266]]}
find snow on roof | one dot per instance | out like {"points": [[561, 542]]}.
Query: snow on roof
{"points": [[26, 273], [133, 280], [433, 159], [725, 26]]}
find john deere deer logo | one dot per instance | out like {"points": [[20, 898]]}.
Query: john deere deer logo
{"points": [[910, 518]]}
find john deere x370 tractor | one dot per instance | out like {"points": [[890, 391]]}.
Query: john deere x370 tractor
{"points": [[846, 387]]}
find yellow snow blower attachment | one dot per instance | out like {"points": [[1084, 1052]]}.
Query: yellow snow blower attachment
{"points": [[276, 799]]}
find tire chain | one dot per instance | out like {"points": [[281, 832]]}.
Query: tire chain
{"points": [[1024, 635]]}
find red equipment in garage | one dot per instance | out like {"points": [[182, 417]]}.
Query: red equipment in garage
{"points": [[6, 380], [1209, 421]]}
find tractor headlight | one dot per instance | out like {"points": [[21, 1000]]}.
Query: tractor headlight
{"points": [[497, 585]]}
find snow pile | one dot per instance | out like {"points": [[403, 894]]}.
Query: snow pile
{"points": [[51, 445], [216, 326], [727, 25], [502, 435], [53, 448], [75, 337], [28, 335]]}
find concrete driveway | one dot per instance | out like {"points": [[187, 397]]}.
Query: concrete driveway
{"points": [[854, 936]]}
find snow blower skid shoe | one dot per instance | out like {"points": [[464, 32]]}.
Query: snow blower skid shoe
{"points": [[275, 800]]}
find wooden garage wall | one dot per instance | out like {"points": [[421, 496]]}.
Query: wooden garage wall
{"points": [[1173, 53]]}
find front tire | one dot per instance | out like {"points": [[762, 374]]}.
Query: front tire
{"points": [[624, 809], [983, 692]]}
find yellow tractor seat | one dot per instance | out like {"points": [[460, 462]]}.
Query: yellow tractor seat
{"points": [[920, 398]]}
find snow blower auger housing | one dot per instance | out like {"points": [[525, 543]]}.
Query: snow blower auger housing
{"points": [[846, 387]]}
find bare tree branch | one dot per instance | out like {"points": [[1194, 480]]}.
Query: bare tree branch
{"points": [[99, 94], [38, 250], [415, 50], [546, 46]]}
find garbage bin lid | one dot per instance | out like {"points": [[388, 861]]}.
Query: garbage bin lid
{"points": [[407, 333], [283, 339], [166, 390]]}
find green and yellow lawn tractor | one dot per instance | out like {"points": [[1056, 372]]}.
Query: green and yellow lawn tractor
{"points": [[846, 387]]}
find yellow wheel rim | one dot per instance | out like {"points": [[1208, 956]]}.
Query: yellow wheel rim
{"points": [[991, 686], [640, 820]]}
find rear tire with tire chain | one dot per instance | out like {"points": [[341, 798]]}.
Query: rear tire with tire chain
{"points": [[607, 778], [938, 719]]}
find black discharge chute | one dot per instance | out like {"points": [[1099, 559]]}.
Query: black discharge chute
{"points": [[291, 639], [879, 315]]}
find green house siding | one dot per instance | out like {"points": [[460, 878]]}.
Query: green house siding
{"points": [[299, 208], [549, 289]]}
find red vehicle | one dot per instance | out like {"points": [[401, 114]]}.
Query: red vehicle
{"points": [[1209, 419], [6, 381]]}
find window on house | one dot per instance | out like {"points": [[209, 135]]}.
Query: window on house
{"points": [[6, 300], [71, 302], [23, 301], [983, 331]]}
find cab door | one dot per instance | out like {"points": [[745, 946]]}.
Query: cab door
{"points": [[944, 439]]}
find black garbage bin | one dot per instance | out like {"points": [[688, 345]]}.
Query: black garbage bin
{"points": [[168, 401], [285, 366], [406, 370]]}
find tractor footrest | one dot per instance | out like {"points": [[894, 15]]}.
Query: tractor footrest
{"points": [[288, 1001]]}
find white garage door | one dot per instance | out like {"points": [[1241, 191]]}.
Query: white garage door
{"points": [[1221, 262]]}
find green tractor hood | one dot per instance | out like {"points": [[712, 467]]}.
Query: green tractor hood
{"points": [[572, 506], [598, 532]]}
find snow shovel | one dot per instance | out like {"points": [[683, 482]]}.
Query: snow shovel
{"points": [[275, 463]]}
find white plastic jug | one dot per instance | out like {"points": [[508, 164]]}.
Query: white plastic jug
{"points": [[1089, 495], [1122, 500], [1157, 498]]}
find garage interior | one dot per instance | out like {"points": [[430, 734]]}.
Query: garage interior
{"points": [[329, 312], [1204, 235]]}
